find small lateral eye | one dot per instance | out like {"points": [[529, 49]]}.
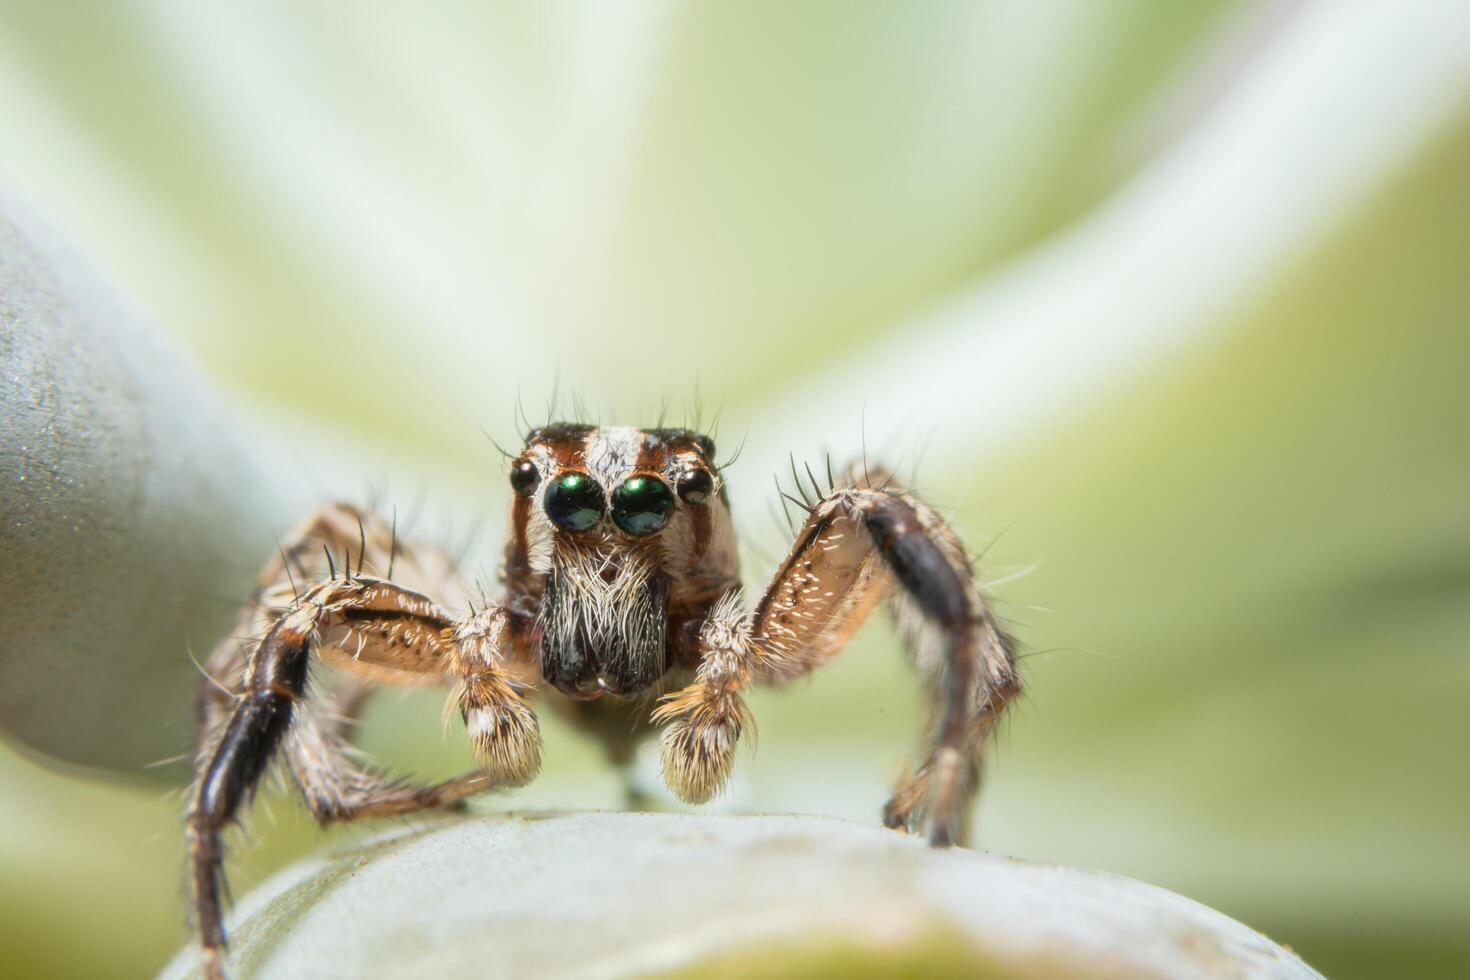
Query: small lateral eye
{"points": [[695, 486], [642, 505], [574, 502], [524, 477]]}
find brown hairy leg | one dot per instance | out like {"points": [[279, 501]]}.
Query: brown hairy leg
{"points": [[336, 789], [862, 542], [256, 700], [357, 537]]}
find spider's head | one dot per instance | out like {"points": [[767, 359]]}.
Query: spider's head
{"points": [[620, 524]]}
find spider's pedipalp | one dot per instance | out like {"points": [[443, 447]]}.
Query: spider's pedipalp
{"points": [[505, 737], [705, 721]]}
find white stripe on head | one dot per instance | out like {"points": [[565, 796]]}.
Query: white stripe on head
{"points": [[611, 454]]}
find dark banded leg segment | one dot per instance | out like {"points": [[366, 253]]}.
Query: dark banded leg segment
{"points": [[353, 535], [375, 631], [275, 683], [859, 545], [973, 680]]}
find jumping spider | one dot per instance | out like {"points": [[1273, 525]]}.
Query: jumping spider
{"points": [[620, 579]]}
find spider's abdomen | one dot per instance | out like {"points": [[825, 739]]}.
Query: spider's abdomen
{"points": [[603, 627]]}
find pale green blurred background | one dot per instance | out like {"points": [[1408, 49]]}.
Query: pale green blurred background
{"points": [[1176, 295]]}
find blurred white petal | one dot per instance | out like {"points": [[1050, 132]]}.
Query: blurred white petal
{"points": [[1327, 114]]}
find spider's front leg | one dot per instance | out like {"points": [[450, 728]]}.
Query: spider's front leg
{"points": [[503, 732], [862, 542], [378, 632]]}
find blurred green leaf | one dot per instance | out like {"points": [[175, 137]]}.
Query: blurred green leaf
{"points": [[1256, 567]]}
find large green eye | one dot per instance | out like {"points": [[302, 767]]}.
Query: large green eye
{"points": [[642, 504], [574, 502]]}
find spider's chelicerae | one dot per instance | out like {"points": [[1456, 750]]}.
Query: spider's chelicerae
{"points": [[620, 581]]}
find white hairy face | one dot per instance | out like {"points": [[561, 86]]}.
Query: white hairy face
{"points": [[621, 527]]}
